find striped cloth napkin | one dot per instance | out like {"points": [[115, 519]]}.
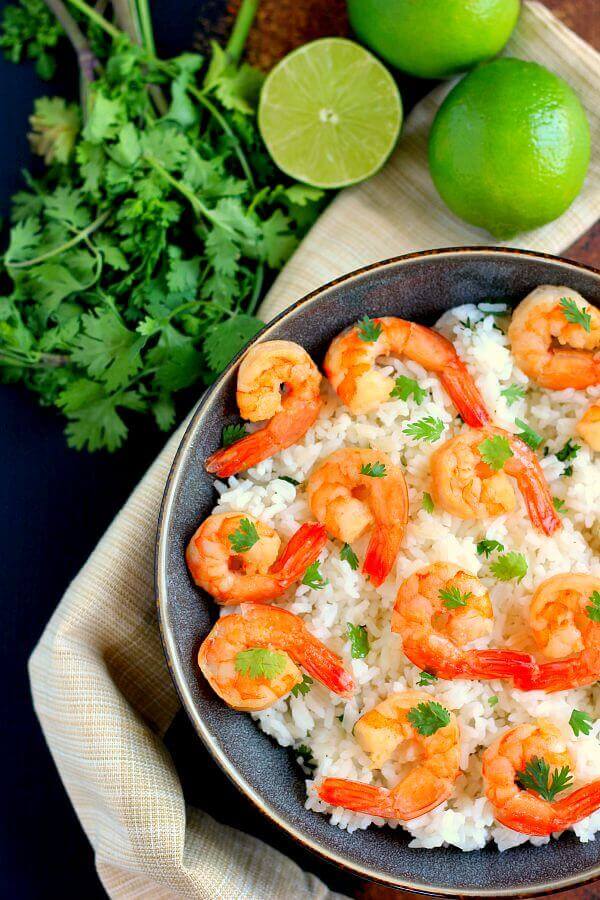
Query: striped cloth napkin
{"points": [[100, 684]]}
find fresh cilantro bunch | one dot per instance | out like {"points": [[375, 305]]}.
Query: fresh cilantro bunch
{"points": [[137, 260]]}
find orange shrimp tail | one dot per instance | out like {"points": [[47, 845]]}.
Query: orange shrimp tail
{"points": [[242, 454], [560, 675], [358, 797], [579, 804], [302, 550], [324, 665], [464, 394], [503, 664], [382, 552]]}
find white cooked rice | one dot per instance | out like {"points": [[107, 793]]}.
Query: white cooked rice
{"points": [[324, 721]]}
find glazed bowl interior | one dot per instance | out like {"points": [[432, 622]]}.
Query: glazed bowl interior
{"points": [[419, 287]]}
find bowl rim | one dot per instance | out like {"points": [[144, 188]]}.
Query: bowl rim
{"points": [[167, 635]]}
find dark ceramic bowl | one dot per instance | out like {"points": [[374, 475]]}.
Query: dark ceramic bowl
{"points": [[418, 287]]}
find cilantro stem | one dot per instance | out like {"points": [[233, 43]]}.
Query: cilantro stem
{"points": [[258, 283], [145, 22], [241, 27], [80, 236], [218, 117], [29, 361], [95, 17], [86, 59], [196, 204]]}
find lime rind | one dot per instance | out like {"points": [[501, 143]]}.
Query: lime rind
{"points": [[330, 113]]}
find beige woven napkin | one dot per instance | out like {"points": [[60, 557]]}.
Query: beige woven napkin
{"points": [[100, 684]]}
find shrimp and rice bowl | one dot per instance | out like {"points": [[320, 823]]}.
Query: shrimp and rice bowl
{"points": [[354, 588]]}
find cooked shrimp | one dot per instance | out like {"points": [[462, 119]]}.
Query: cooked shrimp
{"points": [[278, 381], [255, 573], [349, 502], [258, 627], [380, 732], [588, 427], [552, 350], [437, 611], [350, 366], [524, 810], [464, 485], [564, 616]]}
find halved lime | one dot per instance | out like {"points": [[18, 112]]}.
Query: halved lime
{"points": [[330, 113]]}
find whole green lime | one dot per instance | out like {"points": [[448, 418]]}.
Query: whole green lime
{"points": [[509, 147], [434, 38]]}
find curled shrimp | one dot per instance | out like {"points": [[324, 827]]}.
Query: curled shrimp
{"points": [[524, 810], [564, 615], [553, 351], [588, 427], [258, 627], [464, 485], [278, 381], [437, 611], [350, 366], [254, 574], [349, 502], [382, 731]]}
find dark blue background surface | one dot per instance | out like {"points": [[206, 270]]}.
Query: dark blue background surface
{"points": [[55, 505]]}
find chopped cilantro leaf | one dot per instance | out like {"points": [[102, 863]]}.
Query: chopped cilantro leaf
{"points": [[486, 547], [531, 437], [580, 722], [244, 537], [303, 687], [377, 470], [349, 556], [260, 663], [313, 577], [510, 565], [427, 718], [428, 429], [405, 387], [575, 315], [536, 777], [359, 640], [289, 480], [495, 451], [426, 678], [492, 701], [231, 434], [369, 330], [304, 753], [453, 598], [513, 393], [428, 504], [593, 610]]}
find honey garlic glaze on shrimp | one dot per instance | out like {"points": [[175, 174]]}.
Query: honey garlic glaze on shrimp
{"points": [[564, 615], [235, 557], [441, 608], [249, 681], [381, 732], [523, 810], [356, 490], [350, 366], [279, 382], [466, 486], [553, 344]]}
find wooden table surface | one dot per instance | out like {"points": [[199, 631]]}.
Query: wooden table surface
{"points": [[583, 16]]}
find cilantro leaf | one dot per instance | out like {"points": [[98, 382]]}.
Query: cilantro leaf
{"points": [[593, 610], [568, 452], [375, 470], [487, 547], [369, 330], [303, 687], [258, 662], [580, 722], [405, 387], [428, 429], [536, 777], [492, 701], [306, 757], [510, 565], [313, 578], [427, 718], [453, 598], [531, 437], [227, 338], [231, 434], [513, 393], [574, 314], [107, 349], [349, 556], [495, 451], [558, 504], [426, 678], [244, 537], [289, 480], [359, 640], [428, 504]]}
